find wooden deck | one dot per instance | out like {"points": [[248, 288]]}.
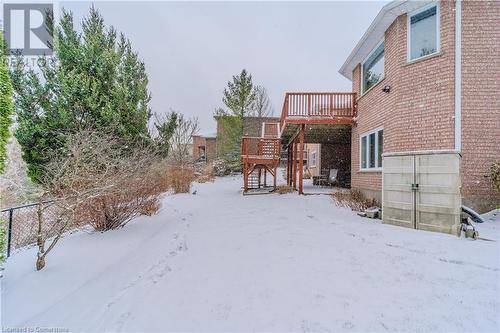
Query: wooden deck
{"points": [[259, 156], [305, 118], [316, 110], [313, 118]]}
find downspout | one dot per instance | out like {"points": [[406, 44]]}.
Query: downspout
{"points": [[458, 75]]}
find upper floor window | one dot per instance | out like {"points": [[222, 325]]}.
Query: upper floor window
{"points": [[373, 68], [423, 32]]}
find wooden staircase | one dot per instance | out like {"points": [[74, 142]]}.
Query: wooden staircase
{"points": [[259, 156]]}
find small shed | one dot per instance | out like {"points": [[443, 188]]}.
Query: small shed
{"points": [[421, 190]]}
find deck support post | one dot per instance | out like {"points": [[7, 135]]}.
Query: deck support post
{"points": [[294, 166], [274, 178], [301, 159], [288, 166], [265, 177], [245, 177], [260, 174]]}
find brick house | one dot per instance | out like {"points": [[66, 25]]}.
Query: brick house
{"points": [[415, 94], [252, 127], [425, 79], [204, 147]]}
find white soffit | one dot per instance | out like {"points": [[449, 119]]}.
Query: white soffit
{"points": [[376, 31]]}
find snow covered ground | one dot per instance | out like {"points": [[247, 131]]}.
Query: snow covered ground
{"points": [[218, 261]]}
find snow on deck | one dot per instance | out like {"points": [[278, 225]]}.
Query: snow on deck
{"points": [[220, 261]]}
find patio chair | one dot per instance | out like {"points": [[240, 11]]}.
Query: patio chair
{"points": [[333, 177]]}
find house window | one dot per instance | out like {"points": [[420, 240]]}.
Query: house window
{"points": [[372, 147], [201, 153], [313, 160], [423, 32], [372, 68]]}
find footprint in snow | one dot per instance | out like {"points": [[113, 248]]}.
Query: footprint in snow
{"points": [[182, 246], [348, 325], [312, 326], [120, 323], [221, 311]]}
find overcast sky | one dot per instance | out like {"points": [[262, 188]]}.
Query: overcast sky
{"points": [[191, 49]]}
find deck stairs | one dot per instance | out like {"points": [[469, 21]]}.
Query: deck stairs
{"points": [[261, 156]]}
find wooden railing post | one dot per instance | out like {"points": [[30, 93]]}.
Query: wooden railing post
{"points": [[301, 159], [309, 104], [353, 101], [294, 165]]}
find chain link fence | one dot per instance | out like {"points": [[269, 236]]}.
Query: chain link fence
{"points": [[22, 224]]}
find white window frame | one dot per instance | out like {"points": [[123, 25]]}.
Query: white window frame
{"points": [[361, 88], [438, 29], [367, 135], [314, 157]]}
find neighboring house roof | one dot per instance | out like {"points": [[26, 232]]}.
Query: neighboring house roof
{"points": [[209, 135], [376, 32]]}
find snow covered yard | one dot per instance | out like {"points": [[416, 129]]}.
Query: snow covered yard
{"points": [[218, 261]]}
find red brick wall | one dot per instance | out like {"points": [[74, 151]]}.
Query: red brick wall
{"points": [[418, 113], [480, 100], [197, 141], [210, 147]]}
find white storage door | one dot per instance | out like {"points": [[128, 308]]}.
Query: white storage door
{"points": [[438, 197], [398, 199]]}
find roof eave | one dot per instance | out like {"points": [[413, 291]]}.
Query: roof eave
{"points": [[376, 31]]}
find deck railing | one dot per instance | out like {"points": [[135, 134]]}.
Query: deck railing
{"points": [[260, 148], [318, 105]]}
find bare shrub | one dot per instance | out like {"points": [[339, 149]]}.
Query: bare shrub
{"points": [[150, 208], [181, 178], [138, 192], [181, 140], [206, 174], [353, 199], [97, 181], [284, 189], [221, 168], [495, 175]]}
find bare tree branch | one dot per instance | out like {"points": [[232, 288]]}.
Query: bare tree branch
{"points": [[182, 139], [261, 106]]}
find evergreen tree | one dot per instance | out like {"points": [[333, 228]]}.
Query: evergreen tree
{"points": [[239, 94], [165, 128], [94, 82], [6, 105], [239, 97]]}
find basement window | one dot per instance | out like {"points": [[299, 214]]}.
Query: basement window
{"points": [[372, 68], [423, 32], [371, 150]]}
